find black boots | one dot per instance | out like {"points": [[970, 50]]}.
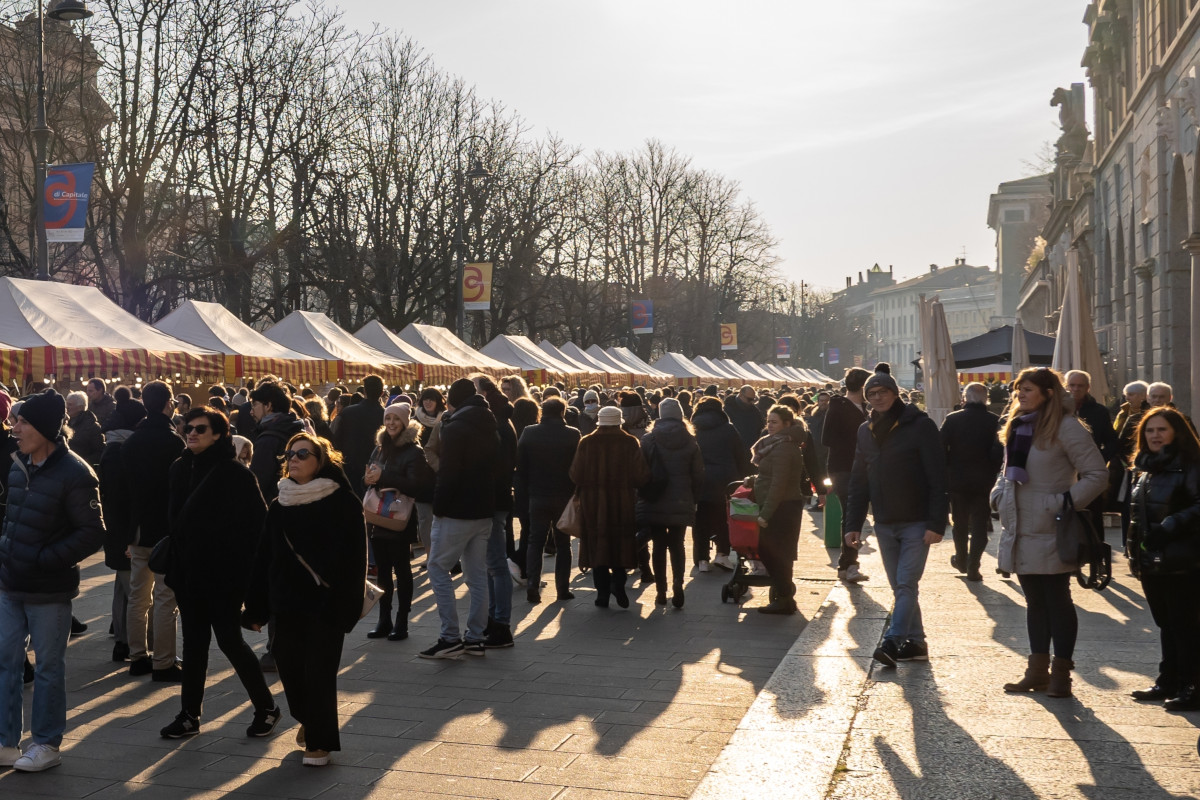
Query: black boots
{"points": [[384, 626]]}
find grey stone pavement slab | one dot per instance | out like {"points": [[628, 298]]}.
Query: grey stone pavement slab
{"points": [[591, 703], [831, 724]]}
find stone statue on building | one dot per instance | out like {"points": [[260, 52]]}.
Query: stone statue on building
{"points": [[1072, 117]]}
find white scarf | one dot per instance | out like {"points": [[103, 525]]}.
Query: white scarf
{"points": [[425, 419], [298, 494]]}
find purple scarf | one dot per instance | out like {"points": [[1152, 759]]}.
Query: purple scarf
{"points": [[1016, 450]]}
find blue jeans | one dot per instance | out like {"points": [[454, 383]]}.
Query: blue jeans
{"points": [[500, 582], [466, 541], [48, 625], [902, 546]]}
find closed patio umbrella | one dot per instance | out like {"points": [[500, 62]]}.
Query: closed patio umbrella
{"points": [[937, 362], [1076, 346], [1020, 349]]}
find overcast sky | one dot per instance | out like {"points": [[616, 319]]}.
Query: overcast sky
{"points": [[866, 131]]}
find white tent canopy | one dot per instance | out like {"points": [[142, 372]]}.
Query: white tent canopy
{"points": [[592, 373], [717, 369], [92, 335], [581, 356], [599, 354], [443, 344], [519, 352], [433, 369], [736, 369], [681, 368], [317, 335], [623, 355], [248, 352]]}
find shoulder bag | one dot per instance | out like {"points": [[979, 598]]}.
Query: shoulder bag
{"points": [[387, 508], [371, 592], [1078, 543], [570, 521]]}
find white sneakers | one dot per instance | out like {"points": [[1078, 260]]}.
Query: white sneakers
{"points": [[9, 756], [315, 758], [703, 567], [37, 757], [726, 561], [851, 574]]}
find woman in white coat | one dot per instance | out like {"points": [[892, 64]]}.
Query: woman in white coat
{"points": [[1048, 453]]}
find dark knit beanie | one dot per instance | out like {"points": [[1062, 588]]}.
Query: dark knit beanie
{"points": [[881, 380], [46, 412], [460, 391]]}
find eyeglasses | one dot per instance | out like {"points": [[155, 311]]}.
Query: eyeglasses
{"points": [[875, 394], [200, 429], [301, 454]]}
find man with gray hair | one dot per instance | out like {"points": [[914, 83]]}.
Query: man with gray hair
{"points": [[1130, 415], [973, 458], [85, 440], [1099, 421], [1161, 394]]}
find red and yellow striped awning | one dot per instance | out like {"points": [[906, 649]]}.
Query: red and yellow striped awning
{"points": [[102, 362], [12, 365], [296, 370], [983, 377]]}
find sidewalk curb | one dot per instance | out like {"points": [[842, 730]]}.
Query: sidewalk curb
{"points": [[790, 741]]}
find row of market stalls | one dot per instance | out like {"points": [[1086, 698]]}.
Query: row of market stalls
{"points": [[56, 331]]}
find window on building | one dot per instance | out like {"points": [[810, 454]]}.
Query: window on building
{"points": [[1014, 215]]}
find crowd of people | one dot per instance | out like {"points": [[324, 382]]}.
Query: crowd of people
{"points": [[149, 477]]}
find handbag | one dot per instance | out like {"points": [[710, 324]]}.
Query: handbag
{"points": [[160, 556], [371, 592], [387, 508], [570, 521], [1078, 543]]}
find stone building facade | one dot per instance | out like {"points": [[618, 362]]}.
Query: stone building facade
{"points": [[1143, 64], [1017, 212]]}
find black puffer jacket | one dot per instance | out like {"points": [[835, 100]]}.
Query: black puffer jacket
{"points": [[86, 438], [52, 523], [114, 494], [216, 512], [904, 478], [746, 418], [506, 462], [408, 472], [8, 446], [544, 456], [840, 433], [330, 535], [469, 463], [671, 451], [146, 458], [354, 436], [726, 456], [270, 440], [1165, 507], [974, 454]]}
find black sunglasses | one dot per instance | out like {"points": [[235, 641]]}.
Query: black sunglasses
{"points": [[301, 454], [200, 429]]}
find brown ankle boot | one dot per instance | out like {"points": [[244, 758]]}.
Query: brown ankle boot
{"points": [[1060, 677], [1037, 675]]}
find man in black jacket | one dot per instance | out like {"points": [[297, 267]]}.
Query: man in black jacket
{"points": [[276, 424], [1099, 421], [464, 502], [544, 455], [743, 412], [973, 457], [53, 521], [900, 469], [839, 433], [146, 458], [356, 431]]}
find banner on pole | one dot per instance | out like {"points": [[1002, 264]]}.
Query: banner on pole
{"points": [[65, 201], [641, 316], [477, 287], [783, 347], [833, 356], [729, 336]]}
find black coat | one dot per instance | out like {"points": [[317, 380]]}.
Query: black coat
{"points": [[408, 472], [217, 513], [746, 418], [726, 456], [270, 440], [671, 452], [544, 456], [354, 437], [330, 535], [469, 463], [1165, 507], [904, 479], [8, 446], [1096, 417], [114, 495], [86, 438], [840, 433], [973, 451], [146, 457], [53, 522]]}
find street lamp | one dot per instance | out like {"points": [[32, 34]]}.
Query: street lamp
{"points": [[66, 11], [476, 171]]}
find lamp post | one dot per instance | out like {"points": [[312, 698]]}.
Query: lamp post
{"points": [[476, 170], [66, 11]]}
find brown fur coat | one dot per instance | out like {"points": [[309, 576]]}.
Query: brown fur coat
{"points": [[607, 471]]}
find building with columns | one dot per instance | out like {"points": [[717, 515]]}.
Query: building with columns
{"points": [[1143, 64]]}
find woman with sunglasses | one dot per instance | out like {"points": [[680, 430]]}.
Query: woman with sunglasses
{"points": [[1164, 550], [210, 565], [310, 575]]}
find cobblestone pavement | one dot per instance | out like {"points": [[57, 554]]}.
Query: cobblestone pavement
{"points": [[830, 724], [590, 703]]}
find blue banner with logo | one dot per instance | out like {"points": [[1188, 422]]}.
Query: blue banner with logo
{"points": [[641, 316], [783, 347], [65, 201]]}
